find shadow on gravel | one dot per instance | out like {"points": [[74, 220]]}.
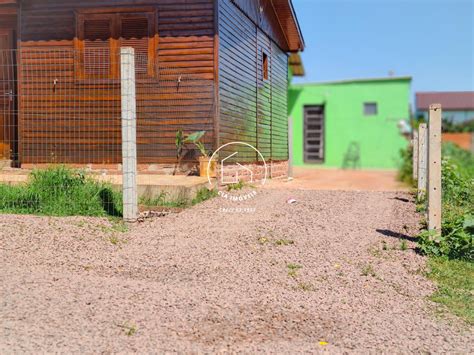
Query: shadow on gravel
{"points": [[400, 199], [392, 234]]}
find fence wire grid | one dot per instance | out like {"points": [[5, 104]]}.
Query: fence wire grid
{"points": [[61, 117]]}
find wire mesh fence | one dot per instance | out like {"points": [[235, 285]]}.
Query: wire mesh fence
{"points": [[62, 132]]}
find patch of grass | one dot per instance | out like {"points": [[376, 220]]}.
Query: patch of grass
{"points": [[293, 269], [235, 187], [129, 329], [61, 191], [384, 245], [284, 242], [368, 270], [114, 240], [455, 279], [204, 194], [263, 240], [161, 200]]}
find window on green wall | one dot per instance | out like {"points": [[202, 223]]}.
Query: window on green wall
{"points": [[370, 108]]}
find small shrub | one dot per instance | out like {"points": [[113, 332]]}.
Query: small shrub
{"points": [[405, 170], [457, 230]]}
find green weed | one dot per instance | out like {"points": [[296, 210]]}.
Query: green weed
{"points": [[293, 269], [204, 194], [455, 279], [129, 329], [368, 270], [284, 242], [403, 245], [161, 200], [238, 186]]}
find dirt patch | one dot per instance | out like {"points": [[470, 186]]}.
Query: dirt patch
{"points": [[336, 267], [310, 178]]}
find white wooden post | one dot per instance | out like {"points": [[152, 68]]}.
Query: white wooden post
{"points": [[129, 136], [415, 155], [434, 168], [290, 148], [422, 159]]}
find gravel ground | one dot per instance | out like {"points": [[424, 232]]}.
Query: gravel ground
{"points": [[209, 280]]}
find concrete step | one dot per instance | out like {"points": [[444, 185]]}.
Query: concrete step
{"points": [[174, 187]]}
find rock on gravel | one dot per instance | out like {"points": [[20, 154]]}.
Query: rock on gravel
{"points": [[324, 274]]}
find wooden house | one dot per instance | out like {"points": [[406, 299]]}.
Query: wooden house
{"points": [[214, 65]]}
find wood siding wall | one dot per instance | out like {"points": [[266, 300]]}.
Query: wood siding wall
{"points": [[252, 109], [181, 95]]}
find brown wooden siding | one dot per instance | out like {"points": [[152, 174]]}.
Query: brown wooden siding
{"points": [[264, 97], [252, 109], [279, 78], [266, 20], [180, 95], [237, 80]]}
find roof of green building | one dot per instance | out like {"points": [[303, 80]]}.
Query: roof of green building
{"points": [[361, 80]]}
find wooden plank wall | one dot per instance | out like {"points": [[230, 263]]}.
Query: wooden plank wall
{"points": [[237, 80], [66, 120], [252, 110], [264, 97], [279, 78]]}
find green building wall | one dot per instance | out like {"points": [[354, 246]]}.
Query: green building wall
{"points": [[378, 137]]}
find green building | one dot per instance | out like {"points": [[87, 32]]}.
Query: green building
{"points": [[350, 124]]}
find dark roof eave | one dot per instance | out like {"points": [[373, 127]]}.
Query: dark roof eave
{"points": [[298, 27]]}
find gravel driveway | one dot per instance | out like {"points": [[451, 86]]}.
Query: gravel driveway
{"points": [[324, 274]]}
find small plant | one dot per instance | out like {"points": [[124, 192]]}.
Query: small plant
{"points": [[129, 329], [114, 240], [284, 242], [162, 201], [384, 245], [405, 170], [293, 269], [235, 187], [194, 138], [204, 194], [305, 286], [368, 270], [403, 245], [262, 240]]}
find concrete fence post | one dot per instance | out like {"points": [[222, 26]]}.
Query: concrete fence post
{"points": [[472, 143], [434, 168], [415, 155], [129, 134], [422, 159], [290, 148]]}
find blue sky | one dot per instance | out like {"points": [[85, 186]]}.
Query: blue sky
{"points": [[430, 40]]}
